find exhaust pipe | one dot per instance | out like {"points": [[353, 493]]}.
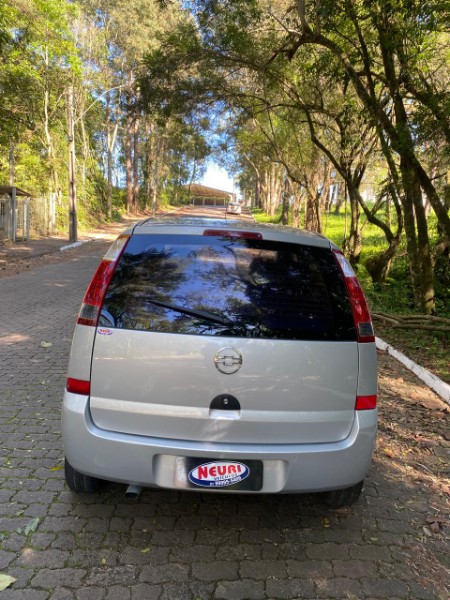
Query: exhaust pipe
{"points": [[133, 491]]}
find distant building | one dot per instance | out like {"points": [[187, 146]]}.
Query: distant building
{"points": [[201, 195]]}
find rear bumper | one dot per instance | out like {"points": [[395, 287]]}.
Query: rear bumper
{"points": [[150, 462]]}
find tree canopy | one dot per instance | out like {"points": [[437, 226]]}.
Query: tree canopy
{"points": [[326, 95], [316, 107]]}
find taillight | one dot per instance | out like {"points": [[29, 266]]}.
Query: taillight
{"points": [[93, 299], [78, 386], [366, 402], [361, 315], [230, 233]]}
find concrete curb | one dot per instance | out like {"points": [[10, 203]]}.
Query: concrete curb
{"points": [[441, 388], [75, 245]]}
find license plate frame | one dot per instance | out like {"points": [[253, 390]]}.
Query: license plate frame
{"points": [[218, 474]]}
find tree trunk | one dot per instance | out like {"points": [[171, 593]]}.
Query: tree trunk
{"points": [[378, 266], [257, 191], [426, 279], [339, 198], [158, 155], [285, 202], [297, 211], [309, 213], [136, 164], [85, 151], [73, 219], [48, 138], [353, 244], [129, 162], [110, 139], [150, 144], [275, 186]]}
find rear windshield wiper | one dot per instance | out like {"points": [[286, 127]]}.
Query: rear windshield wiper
{"points": [[193, 312]]}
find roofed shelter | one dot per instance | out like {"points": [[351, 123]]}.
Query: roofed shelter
{"points": [[201, 195], [14, 213]]}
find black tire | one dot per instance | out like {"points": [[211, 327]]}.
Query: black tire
{"points": [[346, 497], [78, 482]]}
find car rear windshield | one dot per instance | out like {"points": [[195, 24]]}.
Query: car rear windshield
{"points": [[222, 286]]}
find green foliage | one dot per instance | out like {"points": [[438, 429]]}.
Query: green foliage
{"points": [[262, 217], [393, 296], [94, 47]]}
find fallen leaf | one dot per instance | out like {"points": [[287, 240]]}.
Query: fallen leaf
{"points": [[436, 523], [145, 550], [57, 468], [426, 443], [435, 519], [388, 452], [32, 525], [437, 414], [46, 344], [427, 531], [435, 527], [103, 561], [6, 581], [325, 522]]}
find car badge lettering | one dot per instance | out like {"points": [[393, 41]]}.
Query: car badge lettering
{"points": [[103, 331], [218, 474], [228, 360]]}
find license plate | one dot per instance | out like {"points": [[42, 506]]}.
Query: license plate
{"points": [[207, 474]]}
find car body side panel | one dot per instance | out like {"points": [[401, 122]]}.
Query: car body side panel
{"points": [[162, 385]]}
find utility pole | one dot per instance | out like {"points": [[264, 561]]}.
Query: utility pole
{"points": [[12, 176], [73, 226]]}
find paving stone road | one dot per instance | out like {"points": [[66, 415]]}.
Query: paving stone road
{"points": [[167, 545]]}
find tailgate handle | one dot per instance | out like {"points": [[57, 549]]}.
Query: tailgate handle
{"points": [[225, 406]]}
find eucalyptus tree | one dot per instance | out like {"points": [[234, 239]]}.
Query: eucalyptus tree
{"points": [[15, 76], [124, 33], [383, 46], [40, 63], [226, 56], [384, 51]]}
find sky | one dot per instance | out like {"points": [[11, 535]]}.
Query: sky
{"points": [[218, 178]]}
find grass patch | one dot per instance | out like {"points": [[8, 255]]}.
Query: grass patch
{"points": [[427, 348], [262, 217]]}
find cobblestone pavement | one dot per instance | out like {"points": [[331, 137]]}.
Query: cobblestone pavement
{"points": [[167, 545]]}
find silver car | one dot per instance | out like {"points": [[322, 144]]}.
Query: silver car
{"points": [[218, 356], [234, 207]]}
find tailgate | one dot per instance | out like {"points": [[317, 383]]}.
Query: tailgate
{"points": [[163, 385]]}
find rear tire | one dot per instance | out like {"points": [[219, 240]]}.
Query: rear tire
{"points": [[346, 497], [78, 482]]}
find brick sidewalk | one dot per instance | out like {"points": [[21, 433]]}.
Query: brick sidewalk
{"points": [[195, 546]]}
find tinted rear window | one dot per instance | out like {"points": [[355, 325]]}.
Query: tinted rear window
{"points": [[218, 286]]}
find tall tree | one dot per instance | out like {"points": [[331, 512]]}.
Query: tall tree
{"points": [[378, 49]]}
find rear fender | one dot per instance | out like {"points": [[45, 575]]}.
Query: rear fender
{"points": [[81, 353], [367, 372]]}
